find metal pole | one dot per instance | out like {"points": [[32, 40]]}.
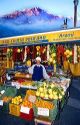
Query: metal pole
{"points": [[75, 12]]}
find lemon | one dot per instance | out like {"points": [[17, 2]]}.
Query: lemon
{"points": [[46, 96], [17, 103], [70, 53], [42, 95], [41, 89], [44, 83], [67, 51], [52, 85], [37, 94], [54, 93], [54, 61], [50, 91], [50, 60], [63, 93], [51, 96], [19, 96], [55, 97], [60, 97], [20, 100], [54, 54]]}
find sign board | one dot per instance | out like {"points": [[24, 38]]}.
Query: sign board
{"points": [[1, 102], [56, 36], [25, 110], [43, 111]]}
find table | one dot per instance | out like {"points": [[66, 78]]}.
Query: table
{"points": [[41, 120]]}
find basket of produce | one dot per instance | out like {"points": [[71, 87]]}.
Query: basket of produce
{"points": [[66, 65], [28, 84], [50, 91], [46, 109]]}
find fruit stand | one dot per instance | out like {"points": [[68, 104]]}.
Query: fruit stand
{"points": [[41, 101]]}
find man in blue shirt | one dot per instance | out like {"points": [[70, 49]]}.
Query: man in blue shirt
{"points": [[38, 71]]}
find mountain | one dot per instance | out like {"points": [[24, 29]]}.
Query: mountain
{"points": [[28, 21], [28, 16]]}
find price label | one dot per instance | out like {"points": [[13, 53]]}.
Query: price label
{"points": [[25, 110], [32, 98], [43, 111], [3, 91], [1, 102]]}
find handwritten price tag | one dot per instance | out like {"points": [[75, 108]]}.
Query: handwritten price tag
{"points": [[1, 102], [25, 110], [43, 111]]}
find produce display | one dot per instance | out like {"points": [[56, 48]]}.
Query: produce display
{"points": [[6, 93], [10, 91], [52, 59], [41, 97], [16, 100], [44, 104], [42, 100], [30, 92], [27, 103], [50, 91], [68, 53], [6, 99], [26, 82], [22, 75]]}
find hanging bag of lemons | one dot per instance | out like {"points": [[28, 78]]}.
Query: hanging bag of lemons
{"points": [[66, 65], [75, 69]]}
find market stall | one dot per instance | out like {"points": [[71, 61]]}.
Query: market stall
{"points": [[41, 100]]}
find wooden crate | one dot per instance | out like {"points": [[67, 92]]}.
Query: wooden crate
{"points": [[14, 109]]}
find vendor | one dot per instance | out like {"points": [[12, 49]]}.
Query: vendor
{"points": [[38, 71]]}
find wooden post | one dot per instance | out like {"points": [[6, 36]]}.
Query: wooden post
{"points": [[48, 46], [75, 54]]}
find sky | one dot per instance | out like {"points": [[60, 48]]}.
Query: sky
{"points": [[57, 7]]}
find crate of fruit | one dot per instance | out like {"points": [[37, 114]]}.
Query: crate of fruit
{"points": [[14, 109], [26, 111], [45, 109], [15, 105]]}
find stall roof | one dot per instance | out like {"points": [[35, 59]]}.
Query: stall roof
{"points": [[40, 38]]}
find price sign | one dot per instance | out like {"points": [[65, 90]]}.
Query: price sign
{"points": [[25, 110], [32, 98], [3, 91], [43, 111], [1, 102]]}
